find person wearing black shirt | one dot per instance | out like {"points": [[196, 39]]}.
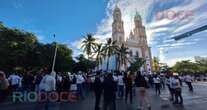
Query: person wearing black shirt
{"points": [[65, 86], [141, 84], [128, 79], [27, 82], [38, 79], [97, 90], [109, 88]]}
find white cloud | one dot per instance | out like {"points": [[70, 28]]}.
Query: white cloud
{"points": [[128, 8], [172, 61], [165, 48], [161, 54], [76, 47], [176, 44], [159, 32], [76, 43], [195, 18], [40, 37]]}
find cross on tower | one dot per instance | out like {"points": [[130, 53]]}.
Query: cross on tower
{"points": [[116, 2]]}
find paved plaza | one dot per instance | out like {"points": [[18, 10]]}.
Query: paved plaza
{"points": [[192, 101]]}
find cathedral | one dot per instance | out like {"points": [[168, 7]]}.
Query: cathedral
{"points": [[136, 41]]}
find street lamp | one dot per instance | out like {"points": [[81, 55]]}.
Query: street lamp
{"points": [[54, 59], [190, 33]]}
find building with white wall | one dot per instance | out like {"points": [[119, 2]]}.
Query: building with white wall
{"points": [[136, 41]]}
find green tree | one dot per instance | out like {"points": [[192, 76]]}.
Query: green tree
{"points": [[109, 50], [64, 59], [136, 65], [202, 65], [122, 56], [21, 50], [185, 66], [99, 54], [155, 62], [83, 64], [88, 45]]}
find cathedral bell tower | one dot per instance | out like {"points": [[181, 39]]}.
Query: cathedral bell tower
{"points": [[117, 27], [139, 30]]}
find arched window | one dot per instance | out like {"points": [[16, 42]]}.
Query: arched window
{"points": [[137, 54], [130, 53]]}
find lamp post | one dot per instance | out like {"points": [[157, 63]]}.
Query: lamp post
{"points": [[54, 59]]}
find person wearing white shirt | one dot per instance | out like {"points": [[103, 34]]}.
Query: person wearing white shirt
{"points": [[49, 82], [115, 77], [173, 86], [156, 81], [15, 81], [80, 81], [178, 91], [120, 80], [188, 80], [168, 83]]}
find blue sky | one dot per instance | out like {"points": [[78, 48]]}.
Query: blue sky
{"points": [[71, 19], [68, 19]]}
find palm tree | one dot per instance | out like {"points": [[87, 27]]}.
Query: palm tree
{"points": [[155, 63], [99, 52], [89, 44], [122, 56], [137, 64], [109, 50]]}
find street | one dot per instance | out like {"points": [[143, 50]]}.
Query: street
{"points": [[192, 101]]}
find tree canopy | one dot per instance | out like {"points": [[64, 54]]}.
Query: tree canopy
{"points": [[83, 64], [21, 50], [187, 66], [136, 65]]}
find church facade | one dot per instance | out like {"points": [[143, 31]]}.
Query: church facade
{"points": [[136, 41]]}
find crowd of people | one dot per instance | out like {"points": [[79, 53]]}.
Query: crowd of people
{"points": [[108, 86]]}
